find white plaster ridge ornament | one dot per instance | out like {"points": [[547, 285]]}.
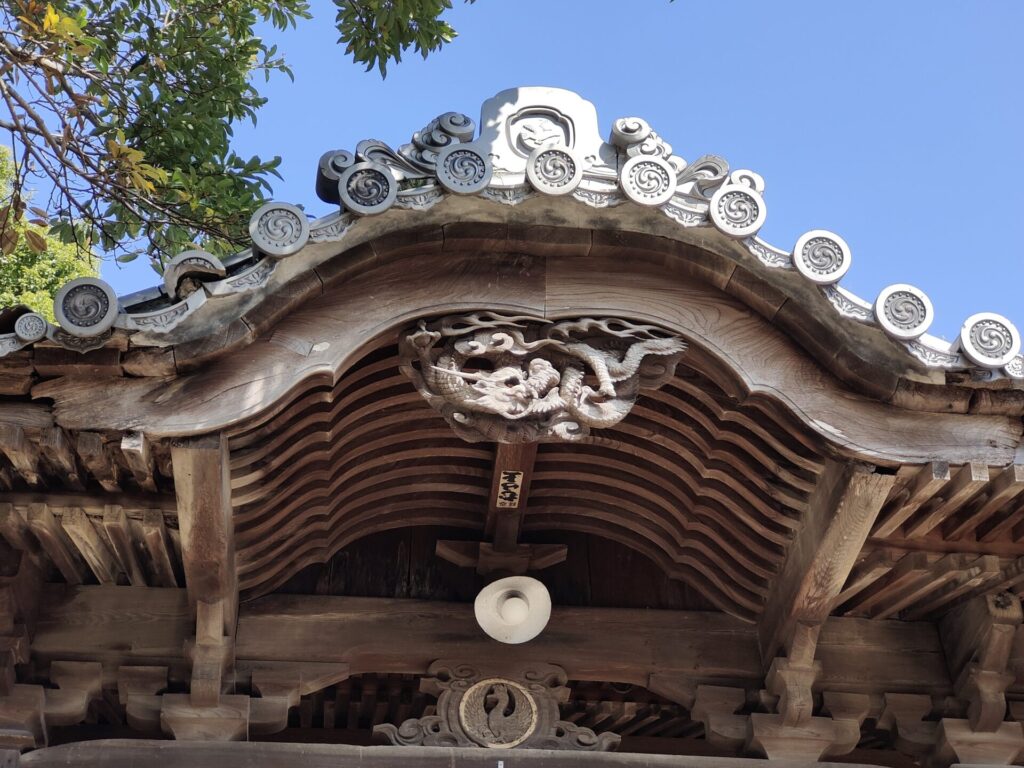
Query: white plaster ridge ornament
{"points": [[737, 208], [554, 170], [188, 270], [533, 140], [85, 307], [513, 610], [903, 311], [30, 327], [822, 257], [989, 340], [279, 229], [367, 188]]}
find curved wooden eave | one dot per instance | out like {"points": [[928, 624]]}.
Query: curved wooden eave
{"points": [[860, 354], [701, 289]]}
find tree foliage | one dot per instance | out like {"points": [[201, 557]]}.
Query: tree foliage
{"points": [[34, 265], [123, 110]]}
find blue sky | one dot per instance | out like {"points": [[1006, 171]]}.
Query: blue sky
{"points": [[899, 124]]}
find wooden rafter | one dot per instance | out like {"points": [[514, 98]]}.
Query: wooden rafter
{"points": [[839, 517]]}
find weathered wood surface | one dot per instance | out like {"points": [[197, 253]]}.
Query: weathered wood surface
{"points": [[203, 489], [146, 626], [706, 487], [744, 352], [840, 515], [164, 754]]}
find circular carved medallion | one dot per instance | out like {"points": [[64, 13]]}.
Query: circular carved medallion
{"points": [[279, 229], [30, 327], [462, 170], [367, 188], [85, 307], [648, 180], [989, 340], [822, 257], [903, 311], [737, 210], [554, 170], [498, 714]]}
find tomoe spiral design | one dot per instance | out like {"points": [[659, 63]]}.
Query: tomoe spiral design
{"points": [[463, 170], [989, 340], [279, 229], [557, 168], [737, 210], [30, 327], [85, 307], [905, 310], [369, 187], [648, 180], [553, 170], [822, 257]]}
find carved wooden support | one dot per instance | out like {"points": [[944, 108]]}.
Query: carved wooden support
{"points": [[202, 486], [511, 709], [228, 720], [958, 742], [509, 497], [978, 639], [27, 711], [791, 683], [903, 715], [280, 689], [716, 706], [486, 559], [138, 689], [813, 739]]}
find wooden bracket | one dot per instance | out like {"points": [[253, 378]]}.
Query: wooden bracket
{"points": [[485, 559], [815, 738], [958, 742], [903, 715], [27, 711], [978, 638], [716, 706]]}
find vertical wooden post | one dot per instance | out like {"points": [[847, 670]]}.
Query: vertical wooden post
{"points": [[203, 488]]}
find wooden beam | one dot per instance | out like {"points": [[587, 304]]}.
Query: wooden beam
{"points": [[154, 537], [136, 450], [93, 453], [57, 452], [1006, 486], [197, 754], [91, 545], [203, 487], [148, 626], [510, 493], [840, 514], [925, 484], [115, 523], [56, 544], [21, 452], [967, 481]]}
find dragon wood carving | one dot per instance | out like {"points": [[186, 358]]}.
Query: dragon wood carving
{"points": [[517, 379]]}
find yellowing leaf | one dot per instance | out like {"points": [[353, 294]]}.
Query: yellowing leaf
{"points": [[50, 19]]}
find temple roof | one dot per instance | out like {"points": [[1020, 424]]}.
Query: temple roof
{"points": [[539, 160]]}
